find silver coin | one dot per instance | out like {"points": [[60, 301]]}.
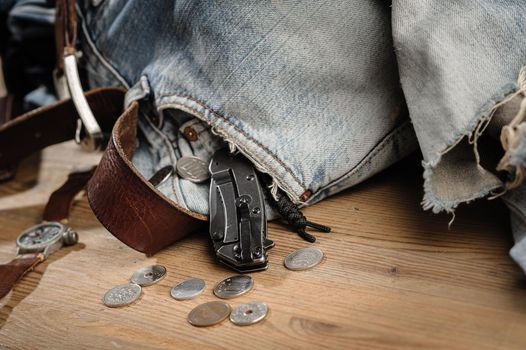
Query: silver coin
{"points": [[122, 295], [192, 169], [250, 313], [234, 286], [303, 259], [209, 314], [149, 275], [188, 289], [161, 175]]}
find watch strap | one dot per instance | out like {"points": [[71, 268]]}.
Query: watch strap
{"points": [[57, 209], [59, 203], [11, 272]]}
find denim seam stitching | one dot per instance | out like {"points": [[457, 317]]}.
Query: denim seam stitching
{"points": [[377, 149], [171, 152], [198, 113], [273, 156], [98, 54], [268, 151]]}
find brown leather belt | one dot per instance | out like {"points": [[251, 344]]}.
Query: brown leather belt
{"points": [[127, 204], [121, 198]]}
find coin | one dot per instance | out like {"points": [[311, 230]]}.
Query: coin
{"points": [[209, 314], [303, 259], [161, 175], [188, 289], [192, 169], [149, 275], [122, 295], [234, 286], [250, 313]]}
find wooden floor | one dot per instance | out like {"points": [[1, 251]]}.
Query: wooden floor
{"points": [[393, 277]]}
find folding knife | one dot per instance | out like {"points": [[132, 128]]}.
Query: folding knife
{"points": [[238, 224]]}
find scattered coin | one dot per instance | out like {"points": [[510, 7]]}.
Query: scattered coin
{"points": [[192, 169], [149, 275], [303, 259], [247, 314], [234, 286], [161, 175], [122, 295], [188, 289], [209, 314]]}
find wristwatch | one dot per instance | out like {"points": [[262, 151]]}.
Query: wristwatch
{"points": [[36, 243]]}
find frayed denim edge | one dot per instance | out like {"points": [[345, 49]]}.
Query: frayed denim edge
{"points": [[430, 200]]}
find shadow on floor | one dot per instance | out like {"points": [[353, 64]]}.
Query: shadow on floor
{"points": [[18, 294], [26, 176]]}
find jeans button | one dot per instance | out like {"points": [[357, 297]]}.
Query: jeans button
{"points": [[190, 133], [306, 195]]}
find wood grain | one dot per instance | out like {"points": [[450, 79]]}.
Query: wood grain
{"points": [[393, 277]]}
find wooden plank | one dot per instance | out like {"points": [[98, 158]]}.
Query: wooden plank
{"points": [[393, 277]]}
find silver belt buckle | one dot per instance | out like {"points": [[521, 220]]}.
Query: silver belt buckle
{"points": [[92, 139]]}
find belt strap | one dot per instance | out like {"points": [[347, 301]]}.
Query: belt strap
{"points": [[121, 198], [127, 204], [65, 30], [54, 123], [60, 201], [15, 269]]}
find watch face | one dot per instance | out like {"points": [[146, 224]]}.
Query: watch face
{"points": [[40, 235]]}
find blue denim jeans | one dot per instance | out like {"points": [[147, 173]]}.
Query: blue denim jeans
{"points": [[27, 50], [281, 82], [316, 94]]}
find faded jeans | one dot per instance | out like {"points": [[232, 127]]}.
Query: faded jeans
{"points": [[322, 95]]}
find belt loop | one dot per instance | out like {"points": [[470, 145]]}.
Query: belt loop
{"points": [[67, 80]]}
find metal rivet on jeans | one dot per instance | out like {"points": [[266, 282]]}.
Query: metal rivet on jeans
{"points": [[190, 133], [306, 195]]}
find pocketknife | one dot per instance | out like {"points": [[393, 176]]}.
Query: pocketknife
{"points": [[238, 224]]}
